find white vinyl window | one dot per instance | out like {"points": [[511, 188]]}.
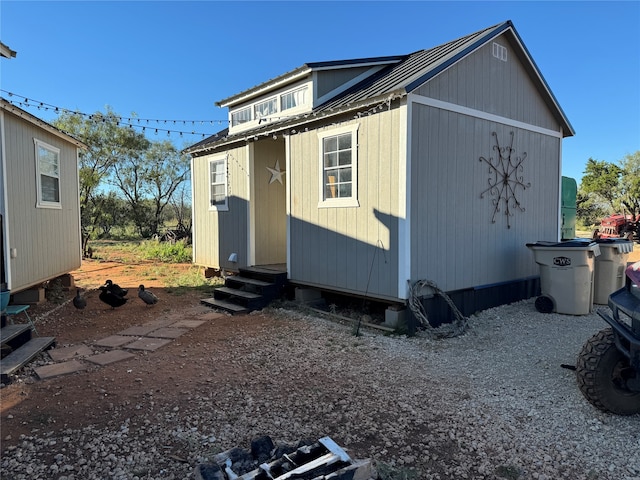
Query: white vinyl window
{"points": [[293, 99], [218, 184], [241, 116], [47, 175], [266, 108], [338, 151]]}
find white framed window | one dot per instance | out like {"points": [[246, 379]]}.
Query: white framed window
{"points": [[293, 99], [218, 196], [47, 175], [338, 153], [241, 116], [266, 108], [499, 52]]}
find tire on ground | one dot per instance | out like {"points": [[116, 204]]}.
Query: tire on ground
{"points": [[601, 369]]}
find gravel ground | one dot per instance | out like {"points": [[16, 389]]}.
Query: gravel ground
{"points": [[491, 404]]}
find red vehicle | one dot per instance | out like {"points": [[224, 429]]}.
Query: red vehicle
{"points": [[619, 226]]}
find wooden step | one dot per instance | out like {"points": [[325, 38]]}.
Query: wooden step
{"points": [[224, 305], [249, 300], [23, 355], [10, 332]]}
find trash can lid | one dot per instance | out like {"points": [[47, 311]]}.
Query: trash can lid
{"points": [[621, 244], [576, 242]]}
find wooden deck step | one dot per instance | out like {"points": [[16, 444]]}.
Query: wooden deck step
{"points": [[224, 305], [233, 292], [10, 332], [249, 281], [23, 355]]}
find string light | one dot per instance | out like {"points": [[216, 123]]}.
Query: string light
{"points": [[131, 122]]}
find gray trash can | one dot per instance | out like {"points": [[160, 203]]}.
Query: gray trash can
{"points": [[609, 268], [566, 275]]}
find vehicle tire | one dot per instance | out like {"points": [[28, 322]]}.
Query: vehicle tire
{"points": [[602, 371]]}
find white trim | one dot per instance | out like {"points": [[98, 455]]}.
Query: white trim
{"points": [[559, 233], [225, 159], [251, 207], [539, 75], [471, 112], [346, 201], [193, 214], [5, 201], [287, 154], [404, 201], [77, 173], [40, 203]]}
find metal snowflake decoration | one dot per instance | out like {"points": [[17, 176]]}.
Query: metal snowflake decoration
{"points": [[505, 180]]}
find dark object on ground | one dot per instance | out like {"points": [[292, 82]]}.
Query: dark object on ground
{"points": [[78, 301], [568, 367], [111, 298], [146, 296], [116, 289]]}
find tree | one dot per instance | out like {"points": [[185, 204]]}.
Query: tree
{"points": [[149, 181], [108, 143], [630, 183], [602, 180]]}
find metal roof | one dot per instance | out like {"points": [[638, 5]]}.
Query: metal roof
{"points": [[404, 74]]}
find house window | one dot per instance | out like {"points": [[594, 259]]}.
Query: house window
{"points": [[218, 181], [339, 167], [293, 99], [266, 108], [48, 175], [499, 52], [241, 116]]}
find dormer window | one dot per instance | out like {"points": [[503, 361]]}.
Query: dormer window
{"points": [[293, 99], [266, 108], [241, 116], [271, 108]]}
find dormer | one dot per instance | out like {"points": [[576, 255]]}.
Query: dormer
{"points": [[299, 91]]}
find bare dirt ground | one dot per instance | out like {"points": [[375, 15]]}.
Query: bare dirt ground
{"points": [[74, 400]]}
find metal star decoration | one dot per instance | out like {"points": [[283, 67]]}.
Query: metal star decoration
{"points": [[505, 179], [276, 173]]}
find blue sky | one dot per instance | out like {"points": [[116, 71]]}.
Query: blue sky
{"points": [[170, 60]]}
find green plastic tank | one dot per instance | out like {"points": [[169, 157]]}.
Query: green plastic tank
{"points": [[568, 208]]}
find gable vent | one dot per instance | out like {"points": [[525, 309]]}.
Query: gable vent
{"points": [[499, 52]]}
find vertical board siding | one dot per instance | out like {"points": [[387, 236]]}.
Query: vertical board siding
{"points": [[270, 203], [351, 249], [47, 240], [456, 241], [218, 234], [483, 82]]}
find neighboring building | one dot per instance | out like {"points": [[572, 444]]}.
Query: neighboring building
{"points": [[39, 206], [364, 176]]}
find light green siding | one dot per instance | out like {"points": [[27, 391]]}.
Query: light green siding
{"points": [[43, 243]]}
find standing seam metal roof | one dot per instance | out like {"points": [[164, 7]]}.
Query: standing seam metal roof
{"points": [[410, 72]]}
